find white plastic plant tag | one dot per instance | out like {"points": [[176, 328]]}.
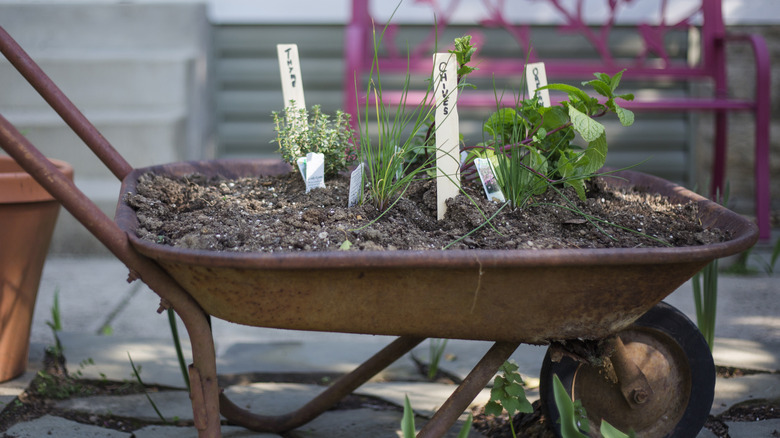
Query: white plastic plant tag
{"points": [[447, 133], [356, 185], [301, 162], [536, 77], [315, 171], [488, 178], [290, 70]]}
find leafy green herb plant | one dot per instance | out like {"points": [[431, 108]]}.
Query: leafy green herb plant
{"points": [[300, 131], [532, 146], [508, 394], [388, 173]]}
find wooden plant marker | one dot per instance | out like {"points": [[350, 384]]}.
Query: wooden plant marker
{"points": [[311, 166], [535, 77], [447, 133], [290, 71]]}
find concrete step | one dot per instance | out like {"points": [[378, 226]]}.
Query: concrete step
{"points": [[143, 138], [94, 81]]}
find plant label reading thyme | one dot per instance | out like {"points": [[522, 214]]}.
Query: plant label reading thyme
{"points": [[535, 78], [290, 70], [355, 185], [488, 178], [312, 168], [447, 134]]}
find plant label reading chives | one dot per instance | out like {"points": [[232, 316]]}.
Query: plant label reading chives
{"points": [[290, 70], [536, 77], [355, 185], [447, 134], [312, 168], [488, 178]]}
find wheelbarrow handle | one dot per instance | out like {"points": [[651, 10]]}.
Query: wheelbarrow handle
{"points": [[63, 106]]}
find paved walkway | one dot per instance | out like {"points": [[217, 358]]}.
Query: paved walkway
{"points": [[93, 296]]}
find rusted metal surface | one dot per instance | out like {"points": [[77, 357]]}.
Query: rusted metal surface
{"points": [[507, 295], [459, 401], [665, 377], [335, 392], [633, 383]]}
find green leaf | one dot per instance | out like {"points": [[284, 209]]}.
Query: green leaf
{"points": [[615, 80], [625, 116], [345, 246], [493, 408], [594, 157], [579, 186], [588, 128], [511, 405], [500, 122], [601, 87], [464, 431], [565, 407], [407, 421], [514, 389], [571, 90], [607, 79], [626, 96]]}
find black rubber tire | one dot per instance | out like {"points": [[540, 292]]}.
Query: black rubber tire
{"points": [[669, 321]]}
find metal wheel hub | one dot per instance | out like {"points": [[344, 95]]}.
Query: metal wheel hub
{"points": [[654, 414]]}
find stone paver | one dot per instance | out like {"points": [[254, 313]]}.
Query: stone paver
{"points": [[172, 405], [191, 432], [734, 390], [425, 398], [754, 429], [52, 426], [364, 423]]}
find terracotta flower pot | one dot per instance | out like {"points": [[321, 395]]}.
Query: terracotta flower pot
{"points": [[27, 217]]}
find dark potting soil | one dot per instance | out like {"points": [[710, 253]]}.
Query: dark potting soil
{"points": [[274, 214]]}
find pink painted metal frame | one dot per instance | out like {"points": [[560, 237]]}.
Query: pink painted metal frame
{"points": [[358, 57]]}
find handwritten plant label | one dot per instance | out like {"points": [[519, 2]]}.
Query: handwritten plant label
{"points": [[312, 168], [290, 70], [356, 185], [447, 133], [488, 178], [536, 77]]}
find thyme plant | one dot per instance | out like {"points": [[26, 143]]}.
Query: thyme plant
{"points": [[300, 131]]}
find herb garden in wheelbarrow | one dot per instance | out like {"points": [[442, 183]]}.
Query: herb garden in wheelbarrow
{"points": [[412, 233]]}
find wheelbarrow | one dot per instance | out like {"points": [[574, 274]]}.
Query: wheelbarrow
{"points": [[662, 375]]}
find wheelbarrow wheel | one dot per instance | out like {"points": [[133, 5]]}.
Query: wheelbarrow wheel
{"points": [[676, 361]]}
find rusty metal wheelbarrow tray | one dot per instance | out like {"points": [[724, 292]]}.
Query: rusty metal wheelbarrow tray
{"points": [[529, 296]]}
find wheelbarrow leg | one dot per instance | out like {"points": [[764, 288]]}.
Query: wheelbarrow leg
{"points": [[465, 393], [337, 391], [206, 404]]}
